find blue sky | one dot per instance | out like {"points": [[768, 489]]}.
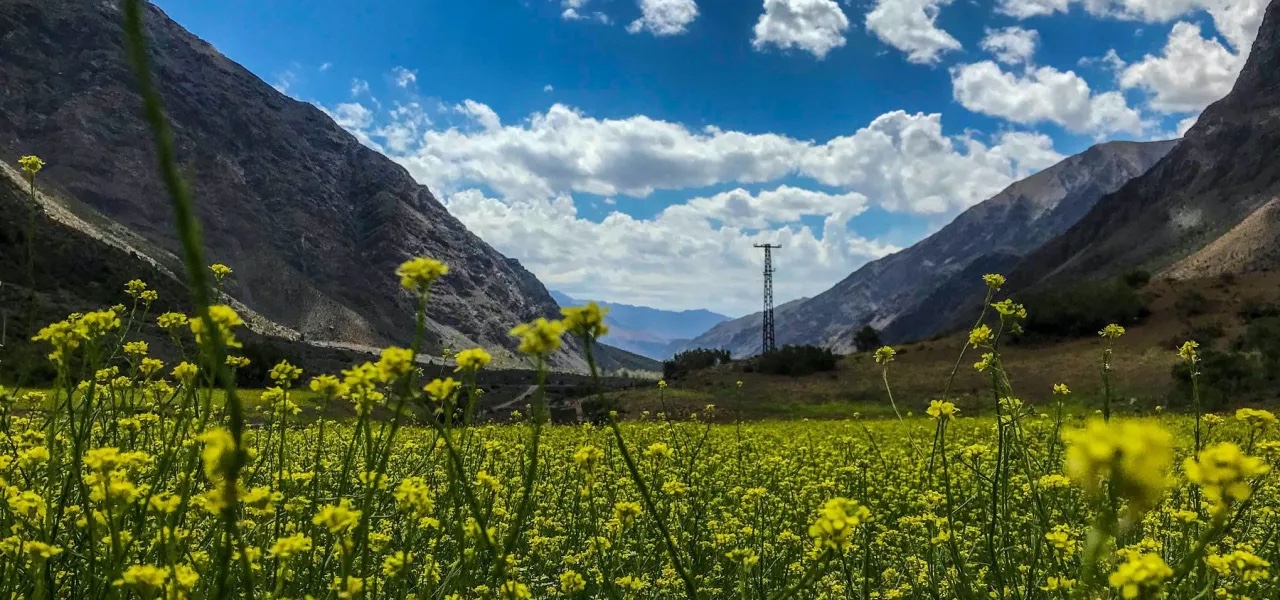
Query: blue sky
{"points": [[632, 150]]}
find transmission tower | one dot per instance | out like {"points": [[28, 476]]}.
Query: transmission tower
{"points": [[767, 343]]}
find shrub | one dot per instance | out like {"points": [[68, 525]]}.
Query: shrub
{"points": [[689, 361], [1191, 304], [1225, 377], [797, 360], [867, 339], [1083, 308], [1137, 278], [1256, 308]]}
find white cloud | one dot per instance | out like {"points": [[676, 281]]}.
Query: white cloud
{"points": [[1042, 94], [1011, 45], [911, 26], [481, 113], [815, 26], [1237, 20], [548, 88], [785, 204], [404, 77], [1186, 124], [623, 258], [358, 87], [664, 17], [326, 66], [1189, 74], [529, 171], [573, 12]]}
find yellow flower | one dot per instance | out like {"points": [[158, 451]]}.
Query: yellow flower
{"points": [[290, 546], [626, 512], [185, 372], [337, 518], [885, 355], [219, 453], [285, 373], [224, 318], [394, 363], [31, 165], [145, 579], [1256, 418], [540, 337], [1223, 472], [136, 348], [572, 583], [980, 336], [514, 590], [347, 589], [1187, 351], [585, 321], [135, 287], [172, 321], [442, 390], [1060, 539], [472, 360], [658, 450], [413, 495], [220, 271], [1142, 574], [994, 281], [394, 564], [1247, 565], [327, 385], [1112, 331], [744, 558], [40, 551], [418, 274], [1060, 389], [939, 409], [1134, 455], [1054, 584], [836, 523]]}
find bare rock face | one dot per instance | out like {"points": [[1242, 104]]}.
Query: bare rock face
{"points": [[313, 222], [902, 294], [1224, 170]]}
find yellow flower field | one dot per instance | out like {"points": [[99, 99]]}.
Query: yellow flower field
{"points": [[134, 481]]}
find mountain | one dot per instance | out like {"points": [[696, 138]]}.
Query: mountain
{"points": [[1209, 206], [313, 222], [997, 231], [651, 332]]}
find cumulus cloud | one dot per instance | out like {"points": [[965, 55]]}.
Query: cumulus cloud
{"points": [[404, 77], [815, 26], [1189, 74], [1040, 95], [664, 17], [1011, 45], [623, 258], [514, 184], [1193, 70], [911, 26]]}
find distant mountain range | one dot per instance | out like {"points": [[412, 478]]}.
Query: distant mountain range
{"points": [[651, 332]]}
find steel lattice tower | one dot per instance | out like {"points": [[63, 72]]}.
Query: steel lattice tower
{"points": [[767, 343]]}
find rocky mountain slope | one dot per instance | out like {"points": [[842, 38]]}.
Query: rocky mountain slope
{"points": [[647, 331], [1207, 206], [996, 232], [313, 222]]}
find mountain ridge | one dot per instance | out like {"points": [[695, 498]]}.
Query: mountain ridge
{"points": [[650, 332], [313, 221], [1222, 172]]}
